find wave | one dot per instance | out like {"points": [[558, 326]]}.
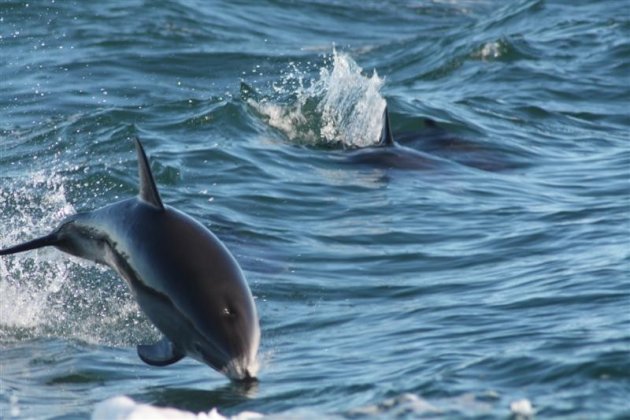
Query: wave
{"points": [[401, 406], [124, 408]]}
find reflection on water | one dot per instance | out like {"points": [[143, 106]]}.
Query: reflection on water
{"points": [[229, 395]]}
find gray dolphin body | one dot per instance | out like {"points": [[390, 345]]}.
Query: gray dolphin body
{"points": [[184, 279]]}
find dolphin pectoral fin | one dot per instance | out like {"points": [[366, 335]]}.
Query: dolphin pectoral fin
{"points": [[162, 353], [48, 240]]}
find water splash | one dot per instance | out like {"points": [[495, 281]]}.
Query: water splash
{"points": [[341, 106], [123, 407], [491, 50], [25, 283], [46, 293]]}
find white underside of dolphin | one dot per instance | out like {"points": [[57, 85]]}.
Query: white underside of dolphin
{"points": [[184, 279]]}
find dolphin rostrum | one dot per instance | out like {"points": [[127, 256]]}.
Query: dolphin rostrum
{"points": [[184, 279]]}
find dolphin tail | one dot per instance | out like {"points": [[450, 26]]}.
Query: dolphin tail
{"points": [[48, 240], [387, 139]]}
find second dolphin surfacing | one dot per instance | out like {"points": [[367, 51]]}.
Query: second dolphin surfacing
{"points": [[184, 279]]}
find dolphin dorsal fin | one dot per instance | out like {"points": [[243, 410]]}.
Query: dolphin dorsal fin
{"points": [[148, 190], [387, 139]]}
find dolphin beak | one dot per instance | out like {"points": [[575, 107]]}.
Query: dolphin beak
{"points": [[242, 369], [244, 376]]}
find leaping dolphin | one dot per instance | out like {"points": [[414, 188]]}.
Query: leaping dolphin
{"points": [[184, 279]]}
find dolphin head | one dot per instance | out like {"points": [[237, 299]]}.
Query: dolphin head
{"points": [[241, 322], [195, 292], [228, 332]]}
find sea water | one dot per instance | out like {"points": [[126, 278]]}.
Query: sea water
{"points": [[496, 284]]}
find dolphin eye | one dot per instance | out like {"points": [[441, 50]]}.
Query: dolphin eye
{"points": [[228, 311]]}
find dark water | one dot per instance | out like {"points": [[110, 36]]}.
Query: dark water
{"points": [[499, 272]]}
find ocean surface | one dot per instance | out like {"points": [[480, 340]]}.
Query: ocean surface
{"points": [[480, 267]]}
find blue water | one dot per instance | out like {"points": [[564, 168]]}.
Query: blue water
{"points": [[497, 273]]}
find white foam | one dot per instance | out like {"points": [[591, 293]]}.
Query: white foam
{"points": [[522, 408], [340, 106], [26, 282], [412, 405], [286, 119], [124, 408], [405, 403], [352, 106], [490, 50]]}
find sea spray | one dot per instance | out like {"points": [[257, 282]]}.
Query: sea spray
{"points": [[45, 293], [341, 106]]}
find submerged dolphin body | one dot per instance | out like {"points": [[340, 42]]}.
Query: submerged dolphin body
{"points": [[390, 154], [184, 279], [430, 148]]}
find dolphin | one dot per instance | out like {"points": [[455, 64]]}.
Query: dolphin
{"points": [[184, 279], [430, 148], [391, 154]]}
